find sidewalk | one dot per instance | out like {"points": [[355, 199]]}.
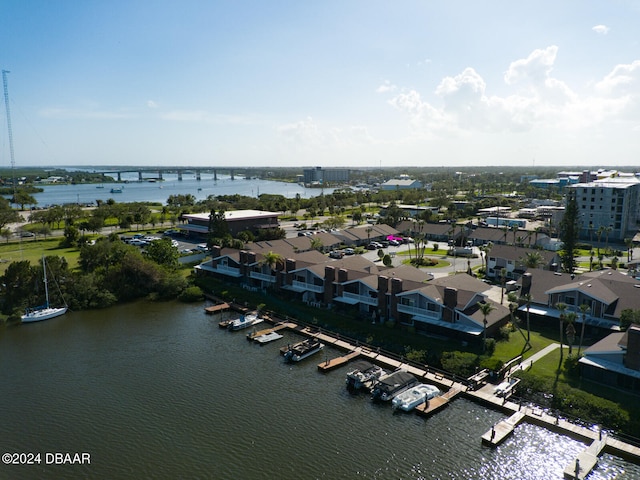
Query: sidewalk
{"points": [[528, 363]]}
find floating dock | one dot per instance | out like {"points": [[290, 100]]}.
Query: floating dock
{"points": [[220, 307], [334, 363], [501, 430], [277, 327], [586, 461], [437, 403]]}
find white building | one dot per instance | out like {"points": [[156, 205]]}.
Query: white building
{"points": [[612, 202]]}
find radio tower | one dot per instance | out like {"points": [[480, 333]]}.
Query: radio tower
{"points": [[6, 103]]}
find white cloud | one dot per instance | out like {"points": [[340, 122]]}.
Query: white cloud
{"points": [[387, 86], [304, 131], [600, 29], [538, 100], [534, 69], [152, 104]]}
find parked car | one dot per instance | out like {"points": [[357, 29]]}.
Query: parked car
{"points": [[202, 247], [336, 254], [349, 251]]}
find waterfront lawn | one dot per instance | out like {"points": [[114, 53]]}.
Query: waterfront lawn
{"points": [[507, 350], [33, 250]]}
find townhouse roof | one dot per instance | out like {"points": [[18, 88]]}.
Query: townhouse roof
{"points": [[487, 234], [514, 253]]}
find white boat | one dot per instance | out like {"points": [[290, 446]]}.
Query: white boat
{"points": [[302, 350], [267, 337], [44, 312], [410, 399], [363, 374], [245, 321]]}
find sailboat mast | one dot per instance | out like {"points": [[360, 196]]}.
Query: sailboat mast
{"points": [[8, 110], [46, 285]]}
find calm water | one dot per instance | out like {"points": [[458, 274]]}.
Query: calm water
{"points": [[160, 191], [159, 391]]}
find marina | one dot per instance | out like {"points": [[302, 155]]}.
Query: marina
{"points": [[405, 377], [149, 369]]}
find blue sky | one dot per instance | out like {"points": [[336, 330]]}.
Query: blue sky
{"points": [[327, 83]]}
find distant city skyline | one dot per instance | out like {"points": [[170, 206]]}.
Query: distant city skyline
{"points": [[333, 84]]}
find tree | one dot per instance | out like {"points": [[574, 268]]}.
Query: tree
{"points": [[271, 259], [7, 214], [163, 253], [218, 226], [527, 299], [561, 307], [17, 284], [22, 198], [569, 234], [629, 316], [629, 244], [503, 278], [584, 308], [316, 243], [486, 309], [533, 260], [570, 330]]}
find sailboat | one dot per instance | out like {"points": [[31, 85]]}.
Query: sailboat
{"points": [[43, 312]]}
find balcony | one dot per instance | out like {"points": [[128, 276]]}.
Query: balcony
{"points": [[423, 312], [361, 298], [304, 286], [262, 276]]}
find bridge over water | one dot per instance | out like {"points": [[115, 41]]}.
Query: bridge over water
{"points": [[156, 173]]}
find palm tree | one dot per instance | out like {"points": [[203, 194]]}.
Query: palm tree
{"points": [[486, 309], [607, 231], [316, 244], [271, 259], [527, 298], [561, 307], [599, 233], [533, 260], [584, 308], [570, 330], [629, 244], [515, 229], [503, 278], [487, 250]]}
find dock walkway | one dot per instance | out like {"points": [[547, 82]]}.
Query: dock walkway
{"points": [[584, 462]]}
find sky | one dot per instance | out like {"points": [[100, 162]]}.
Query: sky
{"points": [[332, 83]]}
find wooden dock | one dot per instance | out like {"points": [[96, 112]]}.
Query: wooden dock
{"points": [[275, 328], [331, 364], [586, 461], [220, 307], [437, 403], [501, 430]]}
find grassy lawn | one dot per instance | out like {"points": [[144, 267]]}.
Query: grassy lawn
{"points": [[32, 250], [505, 351]]}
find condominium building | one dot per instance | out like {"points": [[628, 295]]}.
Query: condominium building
{"points": [[611, 203]]}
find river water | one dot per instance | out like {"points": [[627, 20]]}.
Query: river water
{"points": [[157, 390], [134, 191]]}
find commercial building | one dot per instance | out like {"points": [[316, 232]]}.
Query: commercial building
{"points": [[237, 220]]}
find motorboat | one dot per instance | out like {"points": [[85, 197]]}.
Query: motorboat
{"points": [[410, 399], [363, 374], [389, 386], [302, 350], [245, 321], [267, 337]]}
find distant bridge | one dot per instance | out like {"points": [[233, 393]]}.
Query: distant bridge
{"points": [[158, 172]]}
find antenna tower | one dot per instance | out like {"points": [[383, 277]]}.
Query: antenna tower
{"points": [[6, 103]]}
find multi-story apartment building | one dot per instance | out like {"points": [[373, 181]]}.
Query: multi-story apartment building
{"points": [[611, 203], [326, 175]]}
